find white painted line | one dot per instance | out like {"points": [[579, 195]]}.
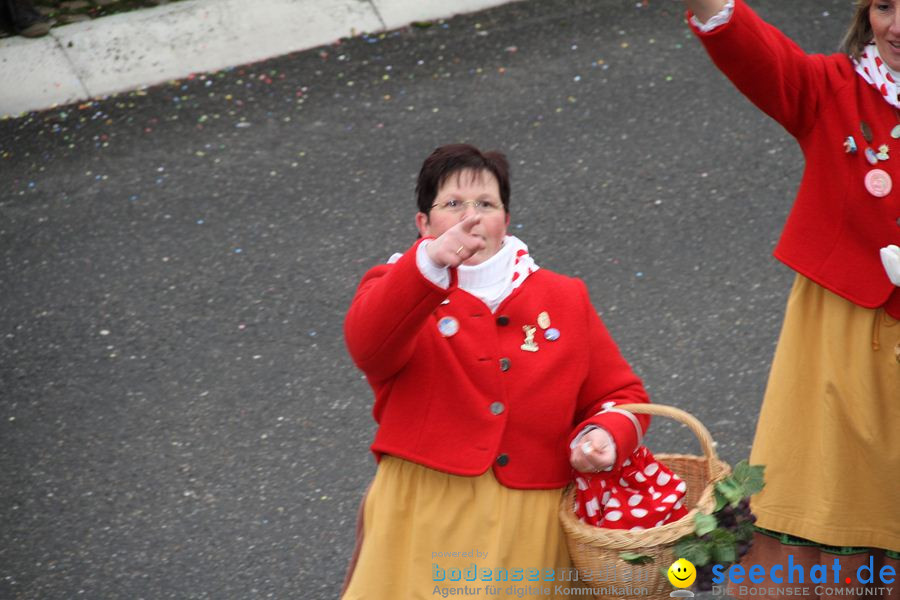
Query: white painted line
{"points": [[145, 47], [35, 74]]}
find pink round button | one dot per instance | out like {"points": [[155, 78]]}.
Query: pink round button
{"points": [[878, 183]]}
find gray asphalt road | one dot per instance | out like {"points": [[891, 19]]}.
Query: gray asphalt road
{"points": [[178, 415]]}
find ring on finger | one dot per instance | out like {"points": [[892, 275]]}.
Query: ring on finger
{"points": [[586, 447], [460, 249]]}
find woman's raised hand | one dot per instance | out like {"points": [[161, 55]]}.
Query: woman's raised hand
{"points": [[456, 245], [704, 10]]}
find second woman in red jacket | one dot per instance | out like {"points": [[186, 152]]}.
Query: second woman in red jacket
{"points": [[827, 430]]}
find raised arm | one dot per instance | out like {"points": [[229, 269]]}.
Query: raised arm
{"points": [[766, 66], [393, 302]]}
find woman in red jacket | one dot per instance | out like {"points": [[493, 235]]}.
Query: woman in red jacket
{"points": [[828, 428], [493, 378]]}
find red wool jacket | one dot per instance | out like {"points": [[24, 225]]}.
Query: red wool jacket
{"points": [[475, 400], [835, 228]]}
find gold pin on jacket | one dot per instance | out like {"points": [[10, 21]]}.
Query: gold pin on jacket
{"points": [[543, 320], [529, 345]]}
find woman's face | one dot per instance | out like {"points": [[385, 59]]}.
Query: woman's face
{"points": [[884, 16], [467, 187]]}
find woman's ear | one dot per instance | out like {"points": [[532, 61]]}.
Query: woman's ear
{"points": [[423, 224]]}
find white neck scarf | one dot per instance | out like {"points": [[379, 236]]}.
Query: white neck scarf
{"points": [[877, 74], [496, 278]]}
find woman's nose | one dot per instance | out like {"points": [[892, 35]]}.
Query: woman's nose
{"points": [[894, 29]]}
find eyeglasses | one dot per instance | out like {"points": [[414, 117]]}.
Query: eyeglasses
{"points": [[458, 206]]}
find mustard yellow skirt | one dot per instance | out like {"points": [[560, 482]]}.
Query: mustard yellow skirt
{"points": [[428, 534], [829, 428]]}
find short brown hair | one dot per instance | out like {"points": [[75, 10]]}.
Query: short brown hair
{"points": [[455, 158], [859, 34]]}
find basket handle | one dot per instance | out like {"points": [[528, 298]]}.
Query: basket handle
{"points": [[676, 414]]}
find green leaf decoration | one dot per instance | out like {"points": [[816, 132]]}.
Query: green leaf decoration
{"points": [[635, 558], [744, 531], [721, 501], [724, 554], [751, 478], [722, 546], [712, 543], [731, 490], [704, 524], [692, 549]]}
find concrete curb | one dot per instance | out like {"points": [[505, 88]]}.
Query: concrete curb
{"points": [[114, 54]]}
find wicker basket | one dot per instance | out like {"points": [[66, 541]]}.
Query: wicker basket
{"points": [[595, 550]]}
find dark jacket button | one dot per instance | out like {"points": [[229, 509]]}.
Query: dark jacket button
{"points": [[502, 460], [502, 320], [504, 364], [497, 408]]}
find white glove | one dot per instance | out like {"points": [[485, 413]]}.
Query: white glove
{"points": [[890, 258]]}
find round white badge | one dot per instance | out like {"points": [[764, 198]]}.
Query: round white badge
{"points": [[448, 326], [878, 183]]}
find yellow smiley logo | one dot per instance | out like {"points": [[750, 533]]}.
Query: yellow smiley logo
{"points": [[682, 573]]}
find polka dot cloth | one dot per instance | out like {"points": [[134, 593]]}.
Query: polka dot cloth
{"points": [[642, 494], [523, 266], [873, 70]]}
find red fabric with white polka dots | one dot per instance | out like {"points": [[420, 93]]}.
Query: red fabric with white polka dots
{"points": [[644, 493]]}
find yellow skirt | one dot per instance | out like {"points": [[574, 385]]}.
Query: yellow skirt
{"points": [[829, 428], [428, 534]]}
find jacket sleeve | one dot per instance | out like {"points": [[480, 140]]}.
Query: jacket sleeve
{"points": [[768, 68], [391, 305], [609, 382]]}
